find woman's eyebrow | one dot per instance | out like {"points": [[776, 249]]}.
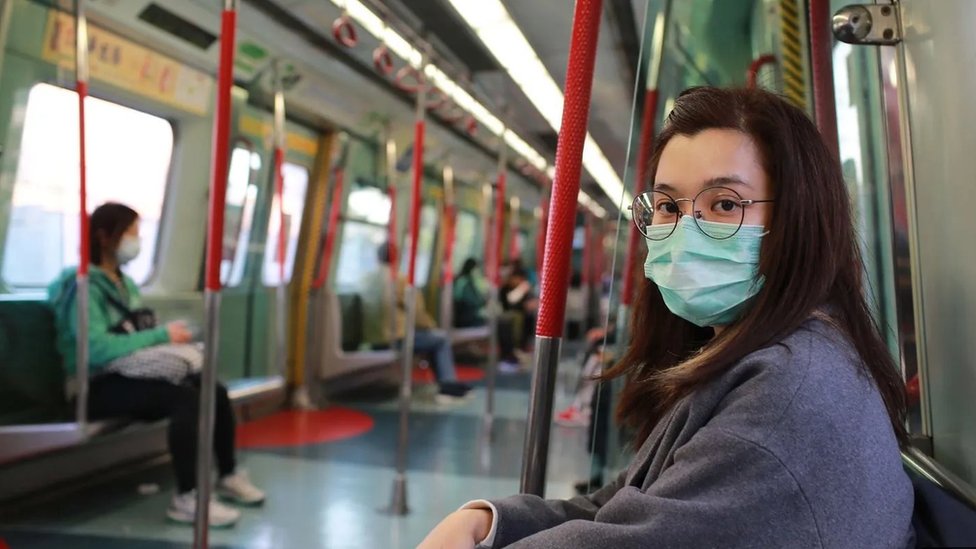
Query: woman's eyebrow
{"points": [[725, 180], [720, 181]]}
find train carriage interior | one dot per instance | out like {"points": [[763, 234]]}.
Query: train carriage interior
{"points": [[356, 213]]}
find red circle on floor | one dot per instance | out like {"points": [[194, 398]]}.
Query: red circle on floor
{"points": [[465, 374], [303, 427]]}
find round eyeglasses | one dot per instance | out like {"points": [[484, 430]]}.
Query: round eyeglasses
{"points": [[718, 212]]}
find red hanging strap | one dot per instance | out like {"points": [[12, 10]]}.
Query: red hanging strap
{"points": [[640, 180]]}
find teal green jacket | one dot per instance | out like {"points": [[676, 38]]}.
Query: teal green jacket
{"points": [[103, 345]]}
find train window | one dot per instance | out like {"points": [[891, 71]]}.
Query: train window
{"points": [[293, 192], [465, 237], [128, 156], [242, 192], [369, 204], [364, 231], [425, 246]]}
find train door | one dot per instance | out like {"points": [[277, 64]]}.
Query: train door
{"points": [[248, 267], [931, 82], [906, 147]]}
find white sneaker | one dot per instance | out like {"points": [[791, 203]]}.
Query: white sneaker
{"points": [[506, 367], [449, 400], [237, 487], [183, 509]]}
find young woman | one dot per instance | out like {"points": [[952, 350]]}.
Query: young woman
{"points": [[142, 371], [768, 409]]}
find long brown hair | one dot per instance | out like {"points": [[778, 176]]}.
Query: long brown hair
{"points": [[810, 260]]}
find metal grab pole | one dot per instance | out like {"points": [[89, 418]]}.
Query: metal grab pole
{"points": [[398, 505], [279, 160], [215, 232], [559, 241], [81, 277], [494, 259], [540, 242], [822, 72], [641, 177]]}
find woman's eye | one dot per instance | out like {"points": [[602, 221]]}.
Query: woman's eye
{"points": [[726, 205], [667, 208]]}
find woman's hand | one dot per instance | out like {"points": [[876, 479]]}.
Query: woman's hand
{"points": [[178, 333], [462, 529]]}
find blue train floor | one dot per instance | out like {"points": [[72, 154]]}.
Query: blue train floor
{"points": [[331, 494]]}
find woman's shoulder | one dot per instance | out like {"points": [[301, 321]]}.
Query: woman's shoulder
{"points": [[814, 371]]}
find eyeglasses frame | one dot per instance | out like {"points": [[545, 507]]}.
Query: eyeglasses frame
{"points": [[696, 214]]}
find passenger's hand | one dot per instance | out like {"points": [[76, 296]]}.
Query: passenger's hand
{"points": [[462, 529], [178, 332]]}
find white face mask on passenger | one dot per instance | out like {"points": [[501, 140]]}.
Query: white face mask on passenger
{"points": [[128, 250]]}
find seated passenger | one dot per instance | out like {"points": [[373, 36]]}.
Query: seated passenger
{"points": [[768, 409], [142, 371], [469, 311], [518, 302], [427, 338]]}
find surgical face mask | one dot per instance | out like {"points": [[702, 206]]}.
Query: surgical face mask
{"points": [[128, 249], [705, 281]]}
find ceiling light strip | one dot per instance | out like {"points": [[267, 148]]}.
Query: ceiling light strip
{"points": [[497, 30], [374, 25]]}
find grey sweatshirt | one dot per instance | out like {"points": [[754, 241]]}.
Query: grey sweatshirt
{"points": [[791, 447]]}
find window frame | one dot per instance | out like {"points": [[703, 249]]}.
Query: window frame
{"points": [[123, 101]]}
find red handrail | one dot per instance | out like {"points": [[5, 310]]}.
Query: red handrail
{"points": [[279, 160], [393, 244], [415, 199], [514, 252], [218, 180], [822, 71], [325, 261], [569, 160], [645, 147], [450, 222], [499, 228]]}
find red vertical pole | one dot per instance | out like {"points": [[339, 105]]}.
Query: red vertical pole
{"points": [[332, 227], [499, 227], [221, 141], [81, 276], [215, 233], [391, 190], [559, 241], [450, 221], [822, 70], [645, 147], [279, 159], [415, 199], [514, 252]]}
